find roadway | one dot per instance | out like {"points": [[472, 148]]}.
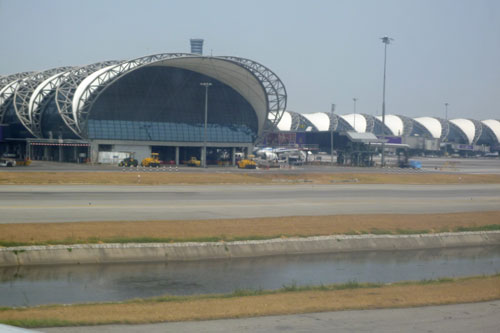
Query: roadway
{"points": [[475, 317], [70, 203]]}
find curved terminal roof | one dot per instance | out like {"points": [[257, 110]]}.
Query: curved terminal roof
{"points": [[467, 127], [357, 121], [256, 83], [320, 120], [285, 123], [494, 126], [76, 89], [394, 123], [460, 130], [433, 125]]}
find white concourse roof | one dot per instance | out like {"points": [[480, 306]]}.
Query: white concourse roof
{"points": [[394, 123], [285, 123], [494, 125], [356, 120], [467, 127], [433, 125], [319, 119]]}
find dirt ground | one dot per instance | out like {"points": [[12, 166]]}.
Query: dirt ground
{"points": [[168, 178], [231, 229], [389, 296]]}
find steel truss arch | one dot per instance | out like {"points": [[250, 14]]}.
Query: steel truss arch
{"points": [[370, 122], [334, 121], [66, 90], [301, 123], [479, 130], [24, 92], [107, 77], [408, 125], [445, 128], [275, 89], [41, 97], [8, 85], [5, 80]]}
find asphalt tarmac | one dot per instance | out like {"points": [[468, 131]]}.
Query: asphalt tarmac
{"points": [[429, 165], [475, 317], [70, 203]]}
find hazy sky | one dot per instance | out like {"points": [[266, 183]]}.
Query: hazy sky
{"points": [[324, 51]]}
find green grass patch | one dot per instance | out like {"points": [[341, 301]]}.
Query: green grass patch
{"points": [[376, 231], [33, 323], [411, 232], [489, 227], [436, 281], [223, 238]]}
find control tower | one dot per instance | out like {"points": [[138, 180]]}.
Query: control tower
{"points": [[196, 46]]}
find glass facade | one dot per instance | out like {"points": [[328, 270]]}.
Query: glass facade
{"points": [[15, 128], [53, 125], [173, 132], [158, 103]]}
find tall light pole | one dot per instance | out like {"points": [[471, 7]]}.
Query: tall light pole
{"points": [[204, 152], [386, 40], [331, 132], [446, 110], [354, 100]]}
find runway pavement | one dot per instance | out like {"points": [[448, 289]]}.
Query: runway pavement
{"points": [[70, 203], [475, 317]]}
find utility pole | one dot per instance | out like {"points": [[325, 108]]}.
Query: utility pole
{"points": [[354, 100], [331, 132], [386, 40], [204, 152]]}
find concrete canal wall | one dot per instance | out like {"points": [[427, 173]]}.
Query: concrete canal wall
{"points": [[111, 253]]}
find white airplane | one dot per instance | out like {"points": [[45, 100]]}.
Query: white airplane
{"points": [[270, 153]]}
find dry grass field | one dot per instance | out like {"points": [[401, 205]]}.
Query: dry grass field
{"points": [[234, 229], [174, 178], [284, 302]]}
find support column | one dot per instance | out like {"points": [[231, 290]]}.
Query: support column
{"points": [[60, 153], [75, 154], [45, 153], [94, 152], [233, 156], [177, 149], [28, 150], [203, 157]]}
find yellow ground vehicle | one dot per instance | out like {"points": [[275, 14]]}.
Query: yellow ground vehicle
{"points": [[247, 164], [25, 162], [193, 162], [152, 161]]}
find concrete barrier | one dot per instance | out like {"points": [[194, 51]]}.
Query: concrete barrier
{"points": [[132, 252]]}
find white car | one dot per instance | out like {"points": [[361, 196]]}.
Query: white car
{"points": [[7, 162]]}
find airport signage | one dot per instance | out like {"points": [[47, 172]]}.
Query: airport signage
{"points": [[465, 147], [391, 139]]}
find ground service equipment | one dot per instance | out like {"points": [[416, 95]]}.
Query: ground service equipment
{"points": [[247, 164], [194, 162], [129, 162], [152, 161]]}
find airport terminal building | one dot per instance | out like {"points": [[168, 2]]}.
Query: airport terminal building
{"points": [[176, 104], [425, 134], [173, 104]]}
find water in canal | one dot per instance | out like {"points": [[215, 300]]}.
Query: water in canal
{"points": [[25, 286]]}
